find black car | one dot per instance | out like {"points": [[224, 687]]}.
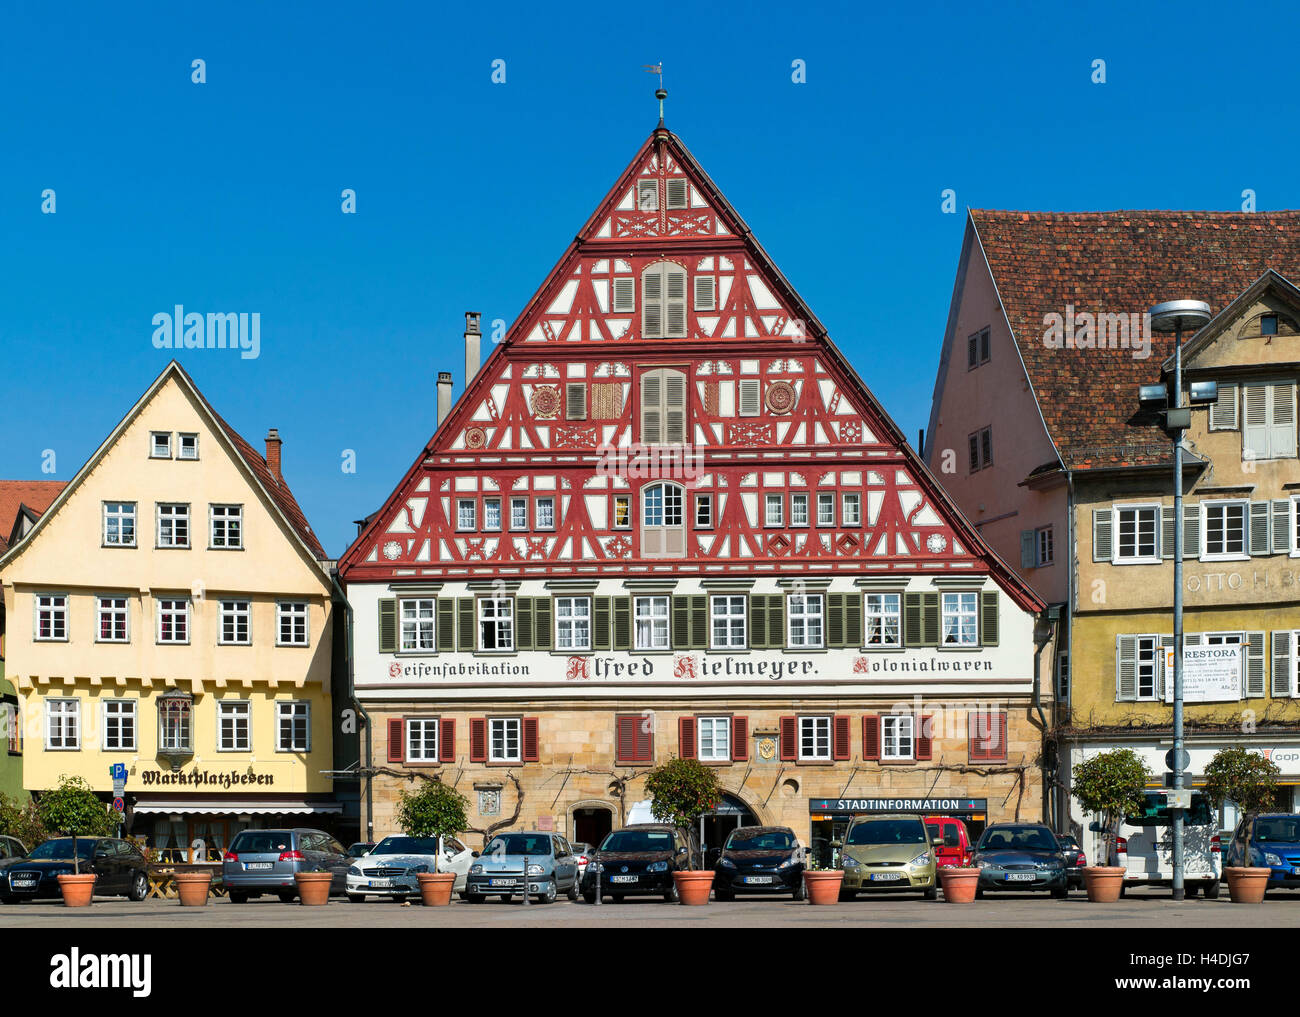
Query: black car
{"points": [[759, 859], [1020, 856], [121, 867], [639, 860], [1075, 860]]}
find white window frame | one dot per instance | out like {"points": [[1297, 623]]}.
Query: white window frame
{"points": [[501, 732], [1156, 652], [154, 444], [68, 711], [227, 514], [1044, 546], [626, 524], [298, 710], [168, 743], [292, 611], [113, 610], [897, 737], [815, 727], [731, 612], [121, 511], [499, 612], [799, 508], [466, 508], [568, 626], [1224, 504], [705, 502], [516, 503], [235, 710], [126, 710], [421, 627], [539, 516], [1063, 676], [853, 518], [180, 446], [806, 617], [418, 750], [646, 610], [886, 610], [1137, 508], [825, 499], [167, 608], [713, 739], [174, 512], [953, 605], [487, 525], [235, 610], [773, 509], [57, 606]]}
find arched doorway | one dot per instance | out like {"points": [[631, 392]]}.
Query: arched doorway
{"points": [[592, 823], [715, 826]]}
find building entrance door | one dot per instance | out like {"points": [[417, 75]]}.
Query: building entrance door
{"points": [[717, 825], [592, 825]]}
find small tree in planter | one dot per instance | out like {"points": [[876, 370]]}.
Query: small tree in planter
{"points": [[681, 791], [72, 808], [435, 810], [1250, 780], [1110, 785]]}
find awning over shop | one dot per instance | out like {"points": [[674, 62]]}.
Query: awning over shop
{"points": [[217, 806]]}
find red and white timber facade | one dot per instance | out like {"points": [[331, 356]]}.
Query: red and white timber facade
{"points": [[666, 517]]}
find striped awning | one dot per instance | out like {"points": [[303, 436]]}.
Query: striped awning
{"points": [[221, 807]]}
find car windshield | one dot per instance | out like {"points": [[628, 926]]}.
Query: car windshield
{"points": [[62, 848], [1157, 813], [1018, 838], [262, 842], [1278, 829], [520, 844], [768, 840], [888, 831], [407, 846], [638, 840]]}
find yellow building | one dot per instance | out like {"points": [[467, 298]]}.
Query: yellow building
{"points": [[171, 612]]}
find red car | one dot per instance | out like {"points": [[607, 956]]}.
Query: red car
{"points": [[951, 840]]}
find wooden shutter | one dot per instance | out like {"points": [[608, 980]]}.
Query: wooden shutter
{"points": [[478, 747], [840, 747], [647, 195], [704, 295], [853, 619], [388, 625], [600, 614], [1281, 525], [542, 623], [1166, 531], [465, 624], [929, 619], [871, 737], [1255, 431], [1223, 412], [531, 748], [1255, 665], [699, 621], [739, 739], [446, 624], [911, 619], [834, 620], [652, 303], [622, 623], [1282, 663], [973, 443], [1281, 442], [396, 740], [1257, 540], [1191, 531], [789, 727], [1166, 644], [575, 400], [447, 740], [1125, 669], [681, 619], [758, 621], [1028, 549], [775, 621], [674, 302], [676, 192], [624, 294], [652, 408], [674, 408], [523, 623], [625, 727], [925, 738], [988, 618], [1103, 525], [749, 403], [686, 744], [988, 736]]}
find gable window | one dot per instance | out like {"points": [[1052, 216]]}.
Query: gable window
{"points": [[187, 446], [293, 726], [496, 624], [703, 511], [622, 511], [173, 526], [825, 510], [418, 624], [503, 739], [234, 630], [119, 725], [1137, 542], [663, 407], [291, 623], [814, 738], [960, 619], [977, 349], [1268, 421], [675, 190], [651, 628], [773, 514], [728, 621], [1268, 324], [647, 195], [884, 619], [573, 623], [519, 513], [1044, 546], [714, 737], [851, 510], [119, 524], [422, 740], [624, 294], [705, 296], [663, 301], [234, 725], [62, 724], [491, 513], [981, 449], [544, 514], [173, 621], [227, 526], [175, 712], [112, 612], [750, 403], [466, 514], [575, 400], [805, 621], [898, 739], [52, 616], [1224, 526], [663, 530], [160, 445]]}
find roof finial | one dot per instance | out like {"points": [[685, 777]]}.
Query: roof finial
{"points": [[661, 93]]}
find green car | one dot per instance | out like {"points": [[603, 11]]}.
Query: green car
{"points": [[887, 854]]}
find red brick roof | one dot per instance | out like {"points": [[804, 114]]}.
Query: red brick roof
{"points": [[1119, 262], [14, 494]]}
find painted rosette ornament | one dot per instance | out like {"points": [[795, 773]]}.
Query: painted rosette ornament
{"points": [[475, 437], [545, 402], [780, 397]]}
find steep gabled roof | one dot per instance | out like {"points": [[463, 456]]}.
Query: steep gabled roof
{"points": [[1118, 262], [17, 496]]}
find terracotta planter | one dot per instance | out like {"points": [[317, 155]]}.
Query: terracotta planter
{"points": [[693, 887], [435, 888], [1104, 883], [1246, 886], [314, 887], [192, 887], [823, 885], [77, 889], [959, 885]]}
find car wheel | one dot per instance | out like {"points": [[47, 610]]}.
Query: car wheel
{"points": [[590, 898], [979, 894], [12, 900], [139, 887], [549, 896], [286, 896], [672, 896], [1189, 890], [1061, 893], [723, 895], [238, 898], [798, 894], [1212, 890], [848, 895], [573, 891], [357, 898], [932, 893], [474, 898]]}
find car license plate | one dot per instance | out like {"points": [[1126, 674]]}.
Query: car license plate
{"points": [[1296, 871], [381, 883], [759, 880], [23, 884], [622, 879], [1019, 877], [259, 865], [886, 877], [501, 882]]}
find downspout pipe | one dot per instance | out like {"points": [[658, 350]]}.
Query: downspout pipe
{"points": [[1043, 632], [356, 704]]}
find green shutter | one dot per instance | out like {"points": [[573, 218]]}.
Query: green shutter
{"points": [[911, 619], [465, 624], [853, 619], [622, 623], [542, 623], [989, 618], [835, 620], [601, 610], [758, 622], [929, 619], [388, 625], [523, 623], [681, 622], [776, 621], [699, 622], [446, 624]]}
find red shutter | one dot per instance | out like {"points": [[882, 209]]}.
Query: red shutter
{"points": [[447, 741], [740, 739], [478, 739], [925, 738], [870, 737], [988, 736], [686, 737], [396, 740], [975, 744], [625, 736], [789, 738], [531, 754], [645, 739], [840, 737]]}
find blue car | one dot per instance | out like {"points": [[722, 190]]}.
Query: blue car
{"points": [[1274, 844]]}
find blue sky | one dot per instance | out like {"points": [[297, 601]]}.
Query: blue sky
{"points": [[226, 195]]}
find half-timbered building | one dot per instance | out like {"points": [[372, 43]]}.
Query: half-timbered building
{"points": [[667, 517]]}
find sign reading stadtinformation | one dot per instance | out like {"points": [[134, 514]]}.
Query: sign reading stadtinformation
{"points": [[898, 804]]}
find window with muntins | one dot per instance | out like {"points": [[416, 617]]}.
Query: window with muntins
{"points": [[119, 523], [728, 628], [815, 738], [1136, 537], [960, 619], [884, 619], [418, 624], [293, 726], [663, 524], [496, 624], [651, 623], [805, 614], [897, 737]]}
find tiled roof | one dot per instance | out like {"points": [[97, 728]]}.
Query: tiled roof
{"points": [[1123, 263], [14, 494]]}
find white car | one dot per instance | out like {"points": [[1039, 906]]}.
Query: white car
{"points": [[1146, 847], [390, 868]]}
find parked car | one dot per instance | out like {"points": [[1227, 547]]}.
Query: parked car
{"points": [[951, 840], [552, 868], [887, 853], [759, 859], [1274, 844], [639, 860], [1146, 843], [1020, 856], [11, 848], [265, 861], [121, 867], [391, 867], [360, 848], [1075, 860], [583, 851]]}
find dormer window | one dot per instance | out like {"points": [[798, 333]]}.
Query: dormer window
{"points": [[160, 445], [187, 446], [1268, 324], [663, 301]]}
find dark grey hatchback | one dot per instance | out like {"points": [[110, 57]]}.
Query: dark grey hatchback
{"points": [[265, 861]]}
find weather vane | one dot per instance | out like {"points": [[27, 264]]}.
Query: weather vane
{"points": [[661, 93]]}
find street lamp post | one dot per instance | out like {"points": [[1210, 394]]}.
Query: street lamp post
{"points": [[1175, 316]]}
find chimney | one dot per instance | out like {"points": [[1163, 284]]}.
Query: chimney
{"points": [[273, 444], [472, 336], [444, 395]]}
